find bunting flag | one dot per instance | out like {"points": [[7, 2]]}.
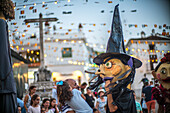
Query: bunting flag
{"points": [[22, 12], [67, 12], [30, 8]]}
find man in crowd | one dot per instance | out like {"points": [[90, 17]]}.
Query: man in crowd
{"points": [[83, 86], [146, 92]]}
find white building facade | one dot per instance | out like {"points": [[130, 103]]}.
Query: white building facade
{"points": [[149, 50]]}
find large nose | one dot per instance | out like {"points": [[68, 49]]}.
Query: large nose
{"points": [[100, 70]]}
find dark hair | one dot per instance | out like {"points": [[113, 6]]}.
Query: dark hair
{"points": [[31, 87], [64, 93], [87, 88], [83, 84], [44, 100], [7, 7], [51, 102], [33, 98], [146, 83]]}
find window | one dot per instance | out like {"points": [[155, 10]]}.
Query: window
{"points": [[66, 52], [151, 47]]}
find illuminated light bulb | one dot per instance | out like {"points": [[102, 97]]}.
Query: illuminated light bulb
{"points": [[28, 50], [82, 63], [8, 30], [55, 2], [34, 4], [45, 55], [133, 49], [87, 44], [156, 50], [57, 58], [33, 34], [68, 0], [148, 60], [144, 50], [101, 46], [62, 60], [17, 32], [64, 41], [24, 6], [162, 51], [16, 46], [38, 53], [72, 41], [32, 51], [43, 2], [138, 49], [79, 41], [22, 48], [94, 45], [14, 7], [79, 63], [48, 38], [56, 40]]}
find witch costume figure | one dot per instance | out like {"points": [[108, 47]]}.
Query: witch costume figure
{"points": [[8, 98], [162, 93], [117, 70]]}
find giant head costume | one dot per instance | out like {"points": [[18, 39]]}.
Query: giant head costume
{"points": [[162, 93], [162, 71], [115, 65]]}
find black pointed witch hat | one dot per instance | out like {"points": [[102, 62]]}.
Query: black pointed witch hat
{"points": [[115, 45]]}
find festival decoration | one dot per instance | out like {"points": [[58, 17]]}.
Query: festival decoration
{"points": [[162, 93], [117, 70]]}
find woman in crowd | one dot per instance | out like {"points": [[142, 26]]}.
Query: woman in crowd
{"points": [[101, 102], [72, 97], [34, 106], [27, 99], [46, 104], [53, 106]]}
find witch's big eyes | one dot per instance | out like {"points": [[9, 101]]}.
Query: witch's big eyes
{"points": [[163, 70], [108, 65]]}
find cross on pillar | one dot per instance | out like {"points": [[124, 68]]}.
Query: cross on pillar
{"points": [[41, 20]]}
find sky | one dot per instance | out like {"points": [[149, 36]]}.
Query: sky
{"points": [[88, 12]]}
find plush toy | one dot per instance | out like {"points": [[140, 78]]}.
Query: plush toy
{"points": [[117, 70], [162, 93]]}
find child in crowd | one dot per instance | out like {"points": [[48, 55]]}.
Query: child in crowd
{"points": [[35, 107], [46, 104], [101, 102], [53, 105], [72, 97], [27, 99], [138, 106]]}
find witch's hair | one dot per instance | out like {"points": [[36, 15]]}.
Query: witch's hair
{"points": [[7, 7], [64, 93]]}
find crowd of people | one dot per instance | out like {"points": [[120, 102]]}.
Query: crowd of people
{"points": [[68, 97]]}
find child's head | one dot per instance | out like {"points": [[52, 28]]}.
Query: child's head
{"points": [[101, 92], [52, 102], [32, 89], [19, 109], [46, 103], [35, 99], [64, 92]]}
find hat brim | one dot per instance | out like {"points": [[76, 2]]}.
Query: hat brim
{"points": [[121, 56]]}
